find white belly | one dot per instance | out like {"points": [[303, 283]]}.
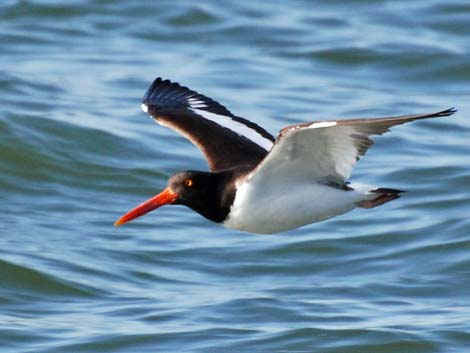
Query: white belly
{"points": [[265, 211]]}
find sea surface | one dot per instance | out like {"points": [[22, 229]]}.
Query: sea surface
{"points": [[76, 152]]}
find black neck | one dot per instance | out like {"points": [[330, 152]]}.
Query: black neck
{"points": [[216, 197]]}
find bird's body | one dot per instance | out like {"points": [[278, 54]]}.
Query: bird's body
{"points": [[264, 210], [259, 184]]}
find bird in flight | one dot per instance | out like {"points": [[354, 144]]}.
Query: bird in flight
{"points": [[258, 183]]}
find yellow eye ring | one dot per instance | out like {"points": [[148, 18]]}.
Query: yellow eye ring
{"points": [[188, 183]]}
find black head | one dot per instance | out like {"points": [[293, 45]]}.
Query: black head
{"points": [[209, 194], [190, 186]]}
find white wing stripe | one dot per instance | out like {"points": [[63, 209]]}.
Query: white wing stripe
{"points": [[236, 127], [322, 124], [196, 103]]}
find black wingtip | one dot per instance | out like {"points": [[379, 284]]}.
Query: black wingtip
{"points": [[446, 112], [440, 114], [165, 94]]}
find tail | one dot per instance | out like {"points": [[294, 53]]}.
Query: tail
{"points": [[384, 195]]}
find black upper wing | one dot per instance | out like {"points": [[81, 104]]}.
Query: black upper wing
{"points": [[225, 140]]}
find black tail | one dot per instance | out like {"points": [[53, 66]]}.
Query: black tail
{"points": [[384, 195]]}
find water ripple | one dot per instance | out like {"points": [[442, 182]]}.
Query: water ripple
{"points": [[76, 152]]}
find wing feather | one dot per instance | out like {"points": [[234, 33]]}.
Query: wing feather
{"points": [[326, 151], [225, 140]]}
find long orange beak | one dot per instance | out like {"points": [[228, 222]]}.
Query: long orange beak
{"points": [[164, 198]]}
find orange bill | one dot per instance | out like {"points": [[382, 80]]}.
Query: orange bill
{"points": [[164, 198]]}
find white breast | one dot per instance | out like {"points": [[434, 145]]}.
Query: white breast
{"points": [[266, 209]]}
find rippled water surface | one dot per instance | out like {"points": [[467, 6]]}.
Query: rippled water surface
{"points": [[76, 152]]}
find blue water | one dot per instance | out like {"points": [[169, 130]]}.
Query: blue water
{"points": [[76, 152]]}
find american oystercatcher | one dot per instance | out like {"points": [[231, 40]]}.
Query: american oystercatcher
{"points": [[258, 183]]}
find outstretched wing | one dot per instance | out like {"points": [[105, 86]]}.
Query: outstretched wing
{"points": [[225, 140], [326, 151]]}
